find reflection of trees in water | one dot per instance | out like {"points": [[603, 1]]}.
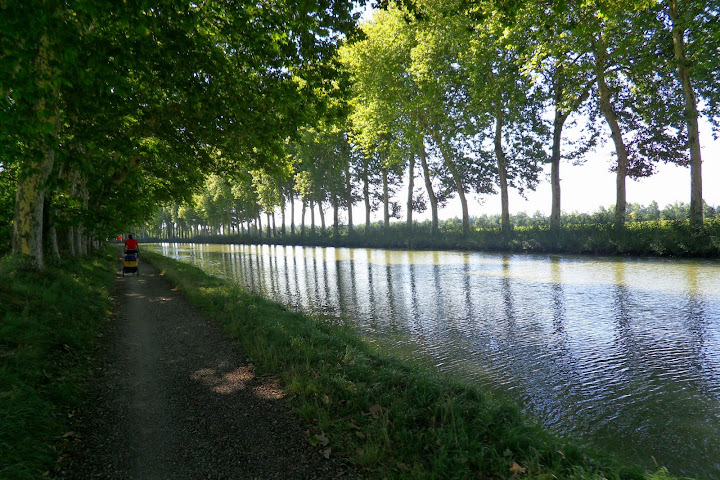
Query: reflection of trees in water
{"points": [[696, 318], [414, 301], [392, 308], [571, 336], [507, 295]]}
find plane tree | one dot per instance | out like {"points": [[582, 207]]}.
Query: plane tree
{"points": [[387, 108], [567, 76], [495, 107], [149, 90], [631, 89], [695, 30]]}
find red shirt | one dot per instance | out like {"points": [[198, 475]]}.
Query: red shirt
{"points": [[131, 244]]}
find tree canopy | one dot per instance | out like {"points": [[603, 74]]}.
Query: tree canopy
{"points": [[126, 105], [107, 111]]}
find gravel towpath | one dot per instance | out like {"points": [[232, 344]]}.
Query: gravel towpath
{"points": [[176, 399]]}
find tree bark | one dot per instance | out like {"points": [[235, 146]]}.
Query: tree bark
{"points": [[612, 120], [34, 172], [292, 214], [302, 219], [558, 122], [386, 200], [691, 115], [430, 191], [366, 195], [322, 217], [282, 219], [336, 216], [348, 190], [312, 217], [81, 247], [502, 173], [51, 239], [411, 188], [459, 186]]}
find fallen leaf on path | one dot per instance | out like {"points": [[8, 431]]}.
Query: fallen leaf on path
{"points": [[320, 439]]}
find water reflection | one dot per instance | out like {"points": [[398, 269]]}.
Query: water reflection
{"points": [[621, 353]]}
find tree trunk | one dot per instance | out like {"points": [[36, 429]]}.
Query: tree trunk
{"points": [[322, 217], [502, 173], [302, 219], [81, 247], [282, 218], [34, 172], [366, 195], [459, 186], [336, 216], [292, 214], [312, 217], [411, 188], [558, 122], [386, 200], [348, 193], [69, 238], [51, 240], [691, 114], [614, 124], [428, 186], [29, 207], [269, 232]]}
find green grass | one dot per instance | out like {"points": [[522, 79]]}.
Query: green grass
{"points": [[390, 419], [49, 325]]}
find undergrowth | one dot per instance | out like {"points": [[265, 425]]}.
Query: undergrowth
{"points": [[669, 238], [49, 325]]}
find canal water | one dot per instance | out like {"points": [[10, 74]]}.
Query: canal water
{"points": [[622, 354]]}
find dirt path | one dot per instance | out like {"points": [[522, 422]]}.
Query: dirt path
{"points": [[175, 399]]}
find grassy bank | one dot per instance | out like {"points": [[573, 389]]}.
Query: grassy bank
{"points": [[670, 238], [49, 326], [390, 419]]}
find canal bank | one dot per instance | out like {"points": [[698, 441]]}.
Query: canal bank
{"points": [[598, 349], [393, 419]]}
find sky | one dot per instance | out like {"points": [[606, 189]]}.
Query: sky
{"points": [[587, 187]]}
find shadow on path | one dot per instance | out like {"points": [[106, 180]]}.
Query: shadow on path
{"points": [[176, 399]]}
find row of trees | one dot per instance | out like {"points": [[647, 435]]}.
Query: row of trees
{"points": [[475, 97], [225, 208], [107, 111]]}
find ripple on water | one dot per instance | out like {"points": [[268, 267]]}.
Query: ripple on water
{"points": [[622, 353]]}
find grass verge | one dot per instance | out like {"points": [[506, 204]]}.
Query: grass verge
{"points": [[391, 419], [49, 326]]}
